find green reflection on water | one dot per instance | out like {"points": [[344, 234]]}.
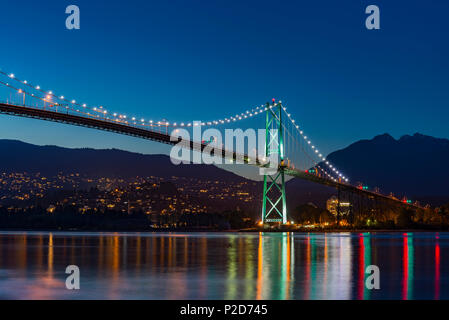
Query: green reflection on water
{"points": [[410, 264], [367, 259]]}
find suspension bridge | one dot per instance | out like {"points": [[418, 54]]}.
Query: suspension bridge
{"points": [[294, 153]]}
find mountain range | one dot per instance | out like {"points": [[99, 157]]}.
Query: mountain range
{"points": [[18, 156], [412, 166]]}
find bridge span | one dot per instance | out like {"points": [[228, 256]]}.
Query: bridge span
{"points": [[126, 129]]}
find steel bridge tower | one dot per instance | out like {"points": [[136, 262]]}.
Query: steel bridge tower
{"points": [[274, 206]]}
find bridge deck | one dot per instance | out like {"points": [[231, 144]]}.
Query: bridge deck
{"points": [[117, 127]]}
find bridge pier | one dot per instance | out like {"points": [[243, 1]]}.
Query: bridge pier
{"points": [[274, 205]]}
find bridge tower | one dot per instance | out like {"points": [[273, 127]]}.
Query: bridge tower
{"points": [[274, 206]]}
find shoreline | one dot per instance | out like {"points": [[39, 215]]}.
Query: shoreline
{"points": [[249, 230]]}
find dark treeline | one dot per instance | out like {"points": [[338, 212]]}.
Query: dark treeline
{"points": [[309, 214], [388, 218], [70, 218]]}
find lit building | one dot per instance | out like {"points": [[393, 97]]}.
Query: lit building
{"points": [[332, 206]]}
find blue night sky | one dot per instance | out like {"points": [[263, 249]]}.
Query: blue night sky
{"points": [[203, 60]]}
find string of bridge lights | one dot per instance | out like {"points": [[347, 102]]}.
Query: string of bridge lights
{"points": [[48, 95], [315, 162], [316, 151]]}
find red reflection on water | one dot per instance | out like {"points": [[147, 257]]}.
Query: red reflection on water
{"points": [[287, 286], [325, 284], [437, 270], [361, 286], [405, 268]]}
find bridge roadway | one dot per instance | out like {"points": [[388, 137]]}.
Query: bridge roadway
{"points": [[121, 128]]}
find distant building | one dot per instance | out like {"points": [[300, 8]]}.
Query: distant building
{"points": [[332, 206]]}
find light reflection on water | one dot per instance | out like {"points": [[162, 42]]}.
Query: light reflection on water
{"points": [[223, 265]]}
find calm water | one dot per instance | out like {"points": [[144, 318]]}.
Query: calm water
{"points": [[224, 265]]}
